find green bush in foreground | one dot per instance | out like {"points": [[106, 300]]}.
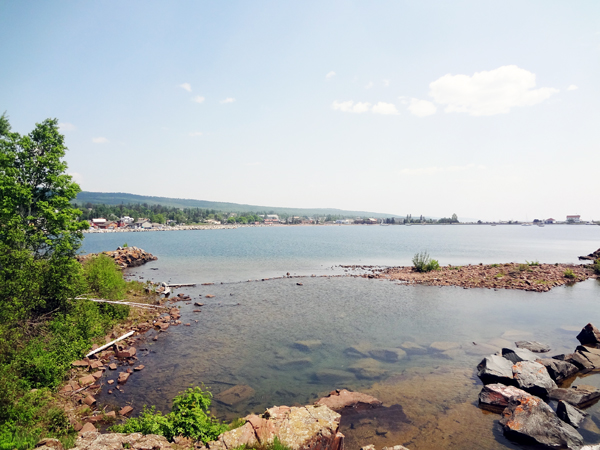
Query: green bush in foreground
{"points": [[104, 277], [190, 417], [596, 267], [423, 263], [568, 273]]}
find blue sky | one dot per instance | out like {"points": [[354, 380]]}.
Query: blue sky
{"points": [[484, 109]]}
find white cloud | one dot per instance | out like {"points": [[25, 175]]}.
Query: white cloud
{"points": [[384, 108], [435, 170], [77, 177], [186, 86], [369, 85], [421, 108], [66, 126], [386, 83], [253, 164], [350, 106], [572, 88], [99, 140], [196, 133], [198, 99], [228, 100], [488, 92], [330, 75]]}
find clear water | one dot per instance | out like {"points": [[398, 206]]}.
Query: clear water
{"points": [[245, 335]]}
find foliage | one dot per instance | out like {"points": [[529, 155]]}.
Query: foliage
{"points": [[494, 265], [104, 277], [523, 267], [453, 219], [190, 417], [569, 274], [423, 263], [533, 263], [596, 267]]}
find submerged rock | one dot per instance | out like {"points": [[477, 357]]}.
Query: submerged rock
{"points": [[570, 414], [342, 398], [307, 346], [534, 346], [413, 349], [235, 395], [388, 354], [442, 346], [367, 369], [530, 420]]}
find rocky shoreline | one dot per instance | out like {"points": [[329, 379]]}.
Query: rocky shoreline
{"points": [[124, 256], [528, 277]]}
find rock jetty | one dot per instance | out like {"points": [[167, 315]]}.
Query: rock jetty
{"points": [[591, 257], [124, 256]]}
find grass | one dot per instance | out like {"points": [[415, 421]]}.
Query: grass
{"points": [[533, 263], [596, 267], [423, 263], [568, 273]]}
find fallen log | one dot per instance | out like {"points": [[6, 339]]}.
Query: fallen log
{"points": [[99, 349]]}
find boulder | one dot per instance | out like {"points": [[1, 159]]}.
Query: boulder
{"points": [[49, 444], [518, 355], [559, 370], [580, 361], [495, 369], [332, 376], [123, 376], [534, 346], [307, 346], [342, 398], [367, 369], [125, 410], [413, 349], [442, 346], [297, 363], [359, 350], [570, 414], [235, 395], [495, 397], [533, 377], [481, 349], [86, 428], [530, 420], [581, 395], [135, 441], [593, 358], [84, 381], [89, 400], [589, 335], [388, 354]]}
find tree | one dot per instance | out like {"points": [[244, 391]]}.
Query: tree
{"points": [[454, 218], [35, 193]]}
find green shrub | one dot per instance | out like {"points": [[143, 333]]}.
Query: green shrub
{"points": [[104, 277], [569, 274], [596, 267], [533, 263], [423, 263], [190, 417]]}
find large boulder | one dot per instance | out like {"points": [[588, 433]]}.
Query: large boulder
{"points": [[570, 414], [495, 369], [518, 355], [342, 398], [312, 427], [589, 335], [559, 370], [532, 421], [533, 377], [495, 397], [581, 395]]}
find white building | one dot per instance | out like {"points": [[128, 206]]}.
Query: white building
{"points": [[574, 219]]}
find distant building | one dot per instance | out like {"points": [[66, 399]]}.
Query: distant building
{"points": [[550, 220], [371, 221], [99, 223], [272, 218], [126, 220], [574, 219]]}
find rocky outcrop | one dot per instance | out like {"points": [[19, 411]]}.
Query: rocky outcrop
{"points": [[529, 419], [591, 257], [93, 440], [124, 256], [312, 427], [589, 335], [342, 398]]}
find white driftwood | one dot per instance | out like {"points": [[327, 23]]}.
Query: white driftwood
{"points": [[139, 305], [99, 349], [181, 285]]}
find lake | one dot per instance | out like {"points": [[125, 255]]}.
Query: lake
{"points": [[247, 334]]}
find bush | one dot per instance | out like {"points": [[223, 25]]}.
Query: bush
{"points": [[569, 274], [596, 267], [104, 277], [190, 417], [423, 263]]}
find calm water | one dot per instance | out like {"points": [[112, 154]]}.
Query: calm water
{"points": [[245, 335]]}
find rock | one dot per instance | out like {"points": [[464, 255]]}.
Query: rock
{"points": [[49, 444], [499, 343], [97, 375], [413, 349], [140, 367], [307, 346], [359, 350], [342, 398], [395, 447], [184, 442], [511, 335], [580, 361], [518, 355], [235, 395], [570, 414], [110, 381], [388, 354], [130, 352], [368, 447], [87, 427], [367, 369], [581, 395], [533, 377], [299, 428], [332, 376], [109, 441], [534, 346], [495, 369], [123, 376], [589, 335], [125, 410], [591, 357], [295, 363], [495, 397], [481, 349], [559, 370], [587, 349], [443, 346], [209, 296], [111, 414], [531, 420], [89, 400], [95, 364], [80, 363], [112, 366], [84, 381]]}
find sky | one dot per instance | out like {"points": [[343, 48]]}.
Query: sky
{"points": [[489, 110]]}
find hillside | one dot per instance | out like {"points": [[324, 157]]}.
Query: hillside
{"points": [[117, 198]]}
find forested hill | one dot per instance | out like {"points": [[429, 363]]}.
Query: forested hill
{"points": [[117, 198]]}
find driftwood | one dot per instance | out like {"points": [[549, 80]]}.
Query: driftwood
{"points": [[181, 285], [99, 349], [138, 305]]}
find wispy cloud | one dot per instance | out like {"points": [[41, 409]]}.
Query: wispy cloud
{"points": [[228, 100], [196, 133], [350, 106], [384, 108], [386, 83], [369, 85], [66, 126], [198, 99], [489, 92], [330, 75], [435, 170], [572, 88], [99, 140], [186, 86], [421, 108]]}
